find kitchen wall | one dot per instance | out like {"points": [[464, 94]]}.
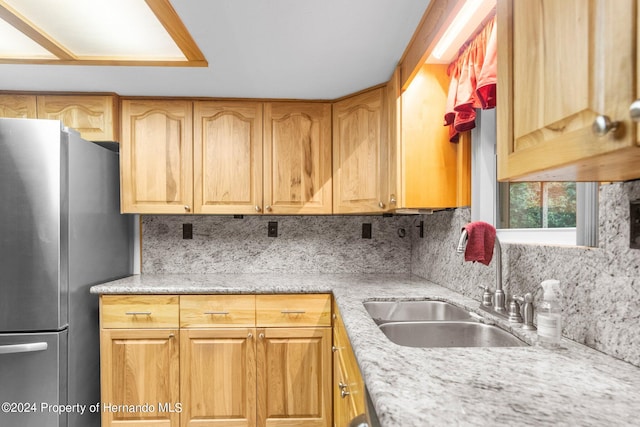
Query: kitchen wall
{"points": [[601, 286], [223, 244]]}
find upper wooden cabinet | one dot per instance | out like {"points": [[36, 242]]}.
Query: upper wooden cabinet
{"points": [[238, 160], [360, 154], [432, 173], [297, 158], [18, 106], [227, 157], [156, 157], [95, 117], [564, 65]]}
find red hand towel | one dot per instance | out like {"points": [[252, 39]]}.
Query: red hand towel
{"points": [[481, 237]]}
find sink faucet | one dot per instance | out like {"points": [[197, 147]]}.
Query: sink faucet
{"points": [[499, 297]]}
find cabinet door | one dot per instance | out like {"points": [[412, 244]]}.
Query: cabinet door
{"points": [[294, 377], [349, 385], [140, 377], [343, 408], [360, 154], [297, 158], [218, 370], [18, 106], [156, 157], [433, 173], [228, 153], [561, 64], [94, 116]]}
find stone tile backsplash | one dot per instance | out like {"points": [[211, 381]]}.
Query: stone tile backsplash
{"points": [[601, 286], [314, 244]]}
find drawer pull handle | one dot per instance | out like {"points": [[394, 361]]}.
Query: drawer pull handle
{"points": [[219, 313], [138, 313], [293, 312]]}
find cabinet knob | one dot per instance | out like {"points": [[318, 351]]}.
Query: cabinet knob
{"points": [[172, 335], [249, 335], [267, 208], [258, 208], [603, 125], [381, 205], [187, 208], [634, 110], [344, 393], [261, 336], [392, 200]]}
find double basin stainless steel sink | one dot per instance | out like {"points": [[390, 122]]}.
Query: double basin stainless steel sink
{"points": [[430, 323]]}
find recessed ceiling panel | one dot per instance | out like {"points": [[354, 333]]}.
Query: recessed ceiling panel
{"points": [[101, 28], [14, 44]]}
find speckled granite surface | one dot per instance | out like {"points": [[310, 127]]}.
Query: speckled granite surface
{"points": [[527, 386], [313, 244], [601, 286]]}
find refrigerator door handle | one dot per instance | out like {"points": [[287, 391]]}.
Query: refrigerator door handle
{"points": [[23, 348]]}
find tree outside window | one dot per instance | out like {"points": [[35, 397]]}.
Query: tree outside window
{"points": [[538, 205]]}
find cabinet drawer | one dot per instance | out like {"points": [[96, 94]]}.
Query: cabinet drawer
{"points": [[293, 310], [137, 311], [210, 311]]}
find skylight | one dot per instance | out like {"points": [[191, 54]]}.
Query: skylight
{"points": [[96, 32]]}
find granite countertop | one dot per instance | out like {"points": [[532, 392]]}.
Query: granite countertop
{"points": [[528, 386]]}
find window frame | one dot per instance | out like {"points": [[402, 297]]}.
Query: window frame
{"points": [[484, 195]]}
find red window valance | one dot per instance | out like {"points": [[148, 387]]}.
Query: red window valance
{"points": [[473, 81]]}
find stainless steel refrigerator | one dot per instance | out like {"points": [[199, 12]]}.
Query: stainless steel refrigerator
{"points": [[61, 232]]}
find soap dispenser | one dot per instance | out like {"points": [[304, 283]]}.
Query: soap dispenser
{"points": [[550, 315]]}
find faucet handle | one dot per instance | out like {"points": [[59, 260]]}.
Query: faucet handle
{"points": [[487, 296], [527, 300], [514, 311]]}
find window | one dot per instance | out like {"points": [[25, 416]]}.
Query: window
{"points": [[564, 213], [537, 204]]}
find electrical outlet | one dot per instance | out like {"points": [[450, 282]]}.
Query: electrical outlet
{"points": [[272, 229], [634, 224], [366, 230], [187, 231]]}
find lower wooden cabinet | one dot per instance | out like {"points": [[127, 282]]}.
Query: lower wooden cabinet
{"points": [[294, 377], [218, 371], [140, 376], [348, 386], [213, 370]]}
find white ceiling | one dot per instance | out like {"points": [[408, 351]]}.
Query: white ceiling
{"points": [[302, 49]]}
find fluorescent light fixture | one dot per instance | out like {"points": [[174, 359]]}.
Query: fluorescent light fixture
{"points": [[465, 23], [96, 32], [15, 44]]}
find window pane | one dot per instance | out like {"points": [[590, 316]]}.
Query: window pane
{"points": [[538, 205], [561, 203]]}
